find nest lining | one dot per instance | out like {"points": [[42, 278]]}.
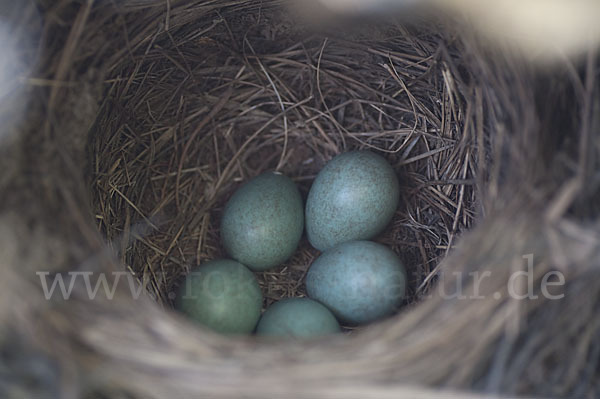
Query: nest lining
{"points": [[189, 119]]}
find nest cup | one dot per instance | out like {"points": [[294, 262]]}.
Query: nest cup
{"points": [[237, 95], [156, 112]]}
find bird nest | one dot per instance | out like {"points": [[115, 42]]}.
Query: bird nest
{"points": [[151, 114], [191, 119]]}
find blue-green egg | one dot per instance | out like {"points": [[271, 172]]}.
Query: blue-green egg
{"points": [[297, 318], [263, 221], [222, 295], [353, 197], [359, 281]]}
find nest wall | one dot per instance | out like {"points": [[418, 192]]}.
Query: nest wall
{"points": [[145, 118]]}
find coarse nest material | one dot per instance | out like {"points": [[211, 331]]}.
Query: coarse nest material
{"points": [[190, 119], [145, 116]]}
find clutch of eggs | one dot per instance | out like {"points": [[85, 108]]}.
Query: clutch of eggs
{"points": [[352, 199]]}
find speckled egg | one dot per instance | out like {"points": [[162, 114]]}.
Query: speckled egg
{"points": [[359, 281], [298, 318], [263, 221], [222, 295], [354, 197]]}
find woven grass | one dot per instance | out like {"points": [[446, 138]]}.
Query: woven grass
{"points": [[146, 115], [190, 120]]}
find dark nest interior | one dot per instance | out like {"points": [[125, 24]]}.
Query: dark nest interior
{"points": [[187, 119]]}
